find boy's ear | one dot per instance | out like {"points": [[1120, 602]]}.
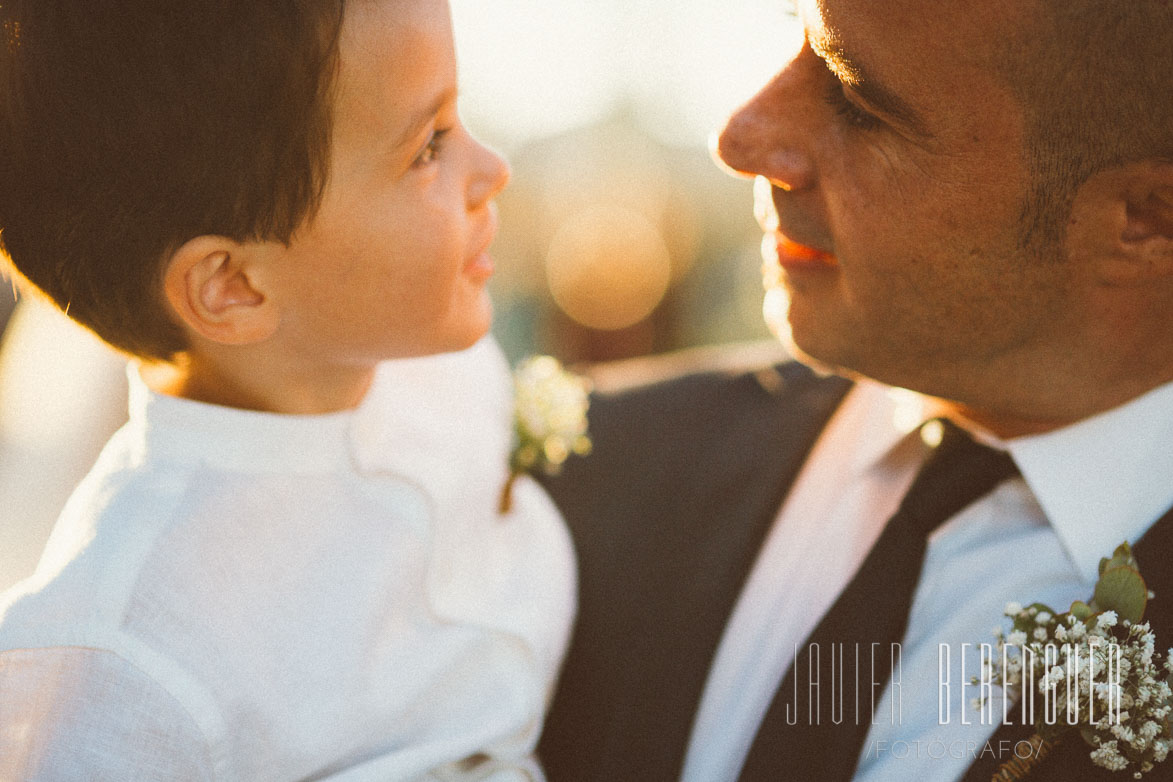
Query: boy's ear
{"points": [[1140, 239], [209, 284]]}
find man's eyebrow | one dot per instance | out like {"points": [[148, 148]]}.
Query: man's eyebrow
{"points": [[422, 117], [852, 73]]}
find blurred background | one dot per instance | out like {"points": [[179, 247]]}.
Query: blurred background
{"points": [[619, 235]]}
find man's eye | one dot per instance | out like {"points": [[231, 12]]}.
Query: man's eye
{"points": [[852, 114], [432, 148]]}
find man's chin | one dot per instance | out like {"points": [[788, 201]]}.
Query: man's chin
{"points": [[776, 312]]}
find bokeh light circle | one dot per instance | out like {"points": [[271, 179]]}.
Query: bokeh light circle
{"points": [[608, 267]]}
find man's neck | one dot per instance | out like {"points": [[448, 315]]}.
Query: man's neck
{"points": [[1002, 426], [1006, 426]]}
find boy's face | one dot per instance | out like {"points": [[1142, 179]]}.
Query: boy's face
{"points": [[395, 261]]}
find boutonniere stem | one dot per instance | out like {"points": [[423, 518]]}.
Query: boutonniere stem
{"points": [[1018, 768]]}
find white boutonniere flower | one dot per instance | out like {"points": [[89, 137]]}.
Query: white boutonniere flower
{"points": [[549, 420], [1093, 671]]}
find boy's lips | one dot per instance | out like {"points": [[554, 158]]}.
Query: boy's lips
{"points": [[481, 263]]}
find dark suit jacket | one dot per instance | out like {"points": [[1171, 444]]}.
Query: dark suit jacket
{"points": [[667, 516]]}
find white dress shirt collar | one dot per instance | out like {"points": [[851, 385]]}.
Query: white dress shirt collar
{"points": [[1100, 481], [1105, 479]]}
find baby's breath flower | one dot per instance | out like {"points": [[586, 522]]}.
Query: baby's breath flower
{"points": [[1122, 732], [1108, 756], [1099, 663]]}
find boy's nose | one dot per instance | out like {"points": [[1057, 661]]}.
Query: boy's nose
{"points": [[493, 174], [767, 137]]}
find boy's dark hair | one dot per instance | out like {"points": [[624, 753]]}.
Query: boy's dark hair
{"points": [[128, 127]]}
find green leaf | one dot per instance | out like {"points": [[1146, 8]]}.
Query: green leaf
{"points": [[1081, 610], [1121, 557], [1027, 622], [1121, 589]]}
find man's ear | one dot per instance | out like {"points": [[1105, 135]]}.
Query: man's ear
{"points": [[1138, 247], [1150, 214], [209, 284]]}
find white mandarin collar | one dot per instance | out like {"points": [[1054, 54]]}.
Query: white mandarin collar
{"points": [[184, 431], [443, 421], [1105, 479], [418, 416]]}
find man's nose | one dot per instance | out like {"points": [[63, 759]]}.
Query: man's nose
{"points": [[768, 137]]}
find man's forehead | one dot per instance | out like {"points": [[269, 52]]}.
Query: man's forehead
{"points": [[930, 65], [965, 29], [929, 45]]}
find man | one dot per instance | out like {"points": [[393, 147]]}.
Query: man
{"points": [[973, 200]]}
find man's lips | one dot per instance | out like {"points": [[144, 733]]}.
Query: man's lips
{"points": [[776, 245], [791, 254]]}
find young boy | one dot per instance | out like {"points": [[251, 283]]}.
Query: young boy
{"points": [[288, 564]]}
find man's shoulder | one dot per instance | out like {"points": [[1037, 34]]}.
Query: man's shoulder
{"points": [[665, 420], [700, 375], [658, 370]]}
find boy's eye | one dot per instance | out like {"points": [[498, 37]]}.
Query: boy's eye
{"points": [[852, 114], [431, 149]]}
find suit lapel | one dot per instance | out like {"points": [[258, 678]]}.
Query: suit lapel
{"points": [[1070, 760], [1152, 553], [668, 515], [715, 546]]}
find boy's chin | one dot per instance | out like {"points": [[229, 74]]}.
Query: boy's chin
{"points": [[470, 339], [462, 336], [479, 322]]}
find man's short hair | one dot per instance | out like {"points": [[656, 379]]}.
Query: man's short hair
{"points": [[128, 127], [1095, 79]]}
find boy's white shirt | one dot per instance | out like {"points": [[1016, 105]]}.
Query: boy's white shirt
{"points": [[233, 595]]}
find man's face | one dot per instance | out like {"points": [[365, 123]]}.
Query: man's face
{"points": [[892, 175]]}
